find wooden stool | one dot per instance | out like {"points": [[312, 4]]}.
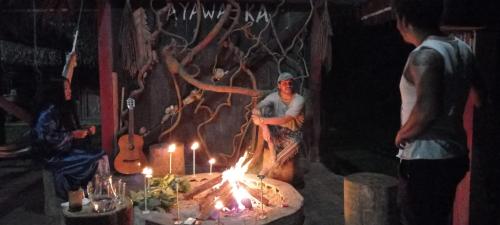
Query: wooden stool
{"points": [[370, 198], [122, 215]]}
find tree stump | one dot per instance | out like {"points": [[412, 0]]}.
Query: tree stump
{"points": [[159, 159], [370, 198], [122, 215], [52, 204]]}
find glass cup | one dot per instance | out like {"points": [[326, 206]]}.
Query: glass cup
{"points": [[104, 197]]}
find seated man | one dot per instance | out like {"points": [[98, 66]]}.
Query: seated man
{"points": [[59, 141], [281, 115]]}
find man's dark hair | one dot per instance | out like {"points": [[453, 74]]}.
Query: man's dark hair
{"points": [[419, 13], [51, 92]]}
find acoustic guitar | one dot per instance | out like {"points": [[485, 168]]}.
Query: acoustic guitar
{"points": [[130, 158]]}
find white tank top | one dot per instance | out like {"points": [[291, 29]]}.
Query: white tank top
{"points": [[445, 136]]}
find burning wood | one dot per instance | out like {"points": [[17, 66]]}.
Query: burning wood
{"points": [[229, 188], [203, 187], [256, 194], [208, 203]]}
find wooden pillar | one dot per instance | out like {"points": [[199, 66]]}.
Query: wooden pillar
{"points": [[485, 172], [462, 196], [315, 87], [477, 200], [105, 53]]}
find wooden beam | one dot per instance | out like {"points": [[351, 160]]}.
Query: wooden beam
{"points": [[15, 110], [105, 51]]}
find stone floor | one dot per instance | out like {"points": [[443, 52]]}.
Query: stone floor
{"points": [[21, 195], [323, 197]]}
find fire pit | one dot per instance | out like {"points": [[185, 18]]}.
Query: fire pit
{"points": [[235, 198]]}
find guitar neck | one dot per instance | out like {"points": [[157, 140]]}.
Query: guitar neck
{"points": [[131, 127]]}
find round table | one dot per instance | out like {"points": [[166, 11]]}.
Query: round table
{"points": [[122, 215]]}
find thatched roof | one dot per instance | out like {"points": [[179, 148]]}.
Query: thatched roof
{"points": [[43, 32]]}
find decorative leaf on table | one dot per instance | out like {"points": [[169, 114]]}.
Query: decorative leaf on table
{"points": [[161, 193]]}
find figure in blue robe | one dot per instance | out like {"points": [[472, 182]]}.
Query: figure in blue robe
{"points": [[59, 141], [72, 165]]}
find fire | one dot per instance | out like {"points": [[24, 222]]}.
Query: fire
{"points": [[234, 176]]}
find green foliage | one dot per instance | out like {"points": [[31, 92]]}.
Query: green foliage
{"points": [[161, 193]]}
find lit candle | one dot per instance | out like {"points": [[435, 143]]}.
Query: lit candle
{"points": [[194, 146], [123, 194], [218, 205], [148, 173], [119, 191], [171, 149], [211, 161]]}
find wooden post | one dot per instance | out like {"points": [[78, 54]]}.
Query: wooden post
{"points": [[116, 109], [462, 197], [105, 53], [315, 87], [370, 198]]}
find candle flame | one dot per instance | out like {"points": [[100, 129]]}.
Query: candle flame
{"points": [[195, 146], [147, 171], [171, 148], [219, 205], [211, 161]]}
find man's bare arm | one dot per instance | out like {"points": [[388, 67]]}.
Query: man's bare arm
{"points": [[69, 67], [425, 71], [276, 120]]}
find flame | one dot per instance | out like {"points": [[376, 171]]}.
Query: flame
{"points": [[147, 171], [171, 148], [219, 205], [234, 176], [195, 146]]}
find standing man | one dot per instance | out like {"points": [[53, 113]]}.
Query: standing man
{"points": [[434, 88], [281, 115]]}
